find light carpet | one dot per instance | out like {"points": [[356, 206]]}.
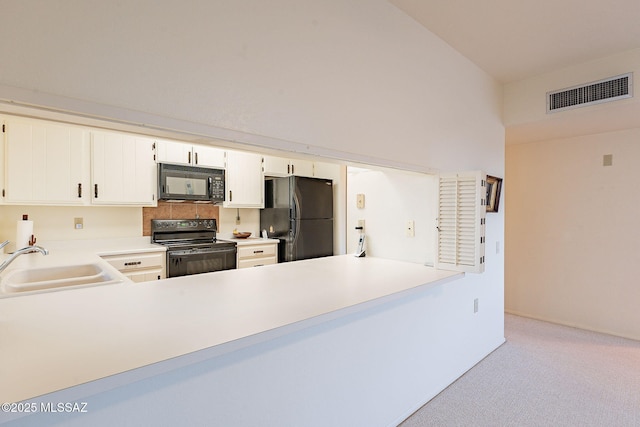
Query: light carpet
{"points": [[544, 375]]}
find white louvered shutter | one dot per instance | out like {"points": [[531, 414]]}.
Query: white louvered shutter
{"points": [[461, 222]]}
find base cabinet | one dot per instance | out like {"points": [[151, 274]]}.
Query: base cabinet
{"points": [[145, 276], [140, 267], [256, 255]]}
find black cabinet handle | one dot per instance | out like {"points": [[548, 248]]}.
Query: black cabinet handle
{"points": [[231, 195], [79, 190], [95, 191], [258, 252], [196, 157], [189, 157], [132, 263]]}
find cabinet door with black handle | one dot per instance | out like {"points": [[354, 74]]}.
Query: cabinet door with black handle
{"points": [[123, 169], [46, 162]]}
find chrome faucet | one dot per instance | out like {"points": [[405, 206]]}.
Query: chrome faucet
{"points": [[19, 252]]}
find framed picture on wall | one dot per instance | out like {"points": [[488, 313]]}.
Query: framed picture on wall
{"points": [[494, 185]]}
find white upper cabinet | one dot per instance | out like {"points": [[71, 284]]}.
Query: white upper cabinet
{"points": [[173, 152], [208, 156], [123, 171], [46, 162], [326, 170], [276, 166], [279, 166], [244, 180], [195, 155], [301, 168]]}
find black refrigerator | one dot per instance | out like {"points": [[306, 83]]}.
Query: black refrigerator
{"points": [[299, 212]]}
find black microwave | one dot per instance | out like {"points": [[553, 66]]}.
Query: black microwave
{"points": [[193, 183]]}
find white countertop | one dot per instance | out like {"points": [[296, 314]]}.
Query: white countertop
{"points": [[77, 252], [250, 240], [52, 341], [114, 246]]}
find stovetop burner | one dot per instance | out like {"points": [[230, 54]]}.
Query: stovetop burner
{"points": [[183, 234]]}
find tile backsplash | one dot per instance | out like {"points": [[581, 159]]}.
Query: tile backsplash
{"points": [[183, 210]]}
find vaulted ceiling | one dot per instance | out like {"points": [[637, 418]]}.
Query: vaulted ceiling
{"points": [[516, 39]]}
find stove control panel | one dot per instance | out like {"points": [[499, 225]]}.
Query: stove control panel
{"points": [[183, 224]]}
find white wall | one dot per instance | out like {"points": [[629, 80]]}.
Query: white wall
{"points": [[521, 96], [391, 199], [355, 80], [570, 220], [572, 232], [249, 221], [525, 113], [56, 222]]}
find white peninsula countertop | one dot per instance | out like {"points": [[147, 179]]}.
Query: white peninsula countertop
{"points": [[104, 336]]}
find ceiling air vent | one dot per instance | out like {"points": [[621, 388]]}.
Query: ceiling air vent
{"points": [[606, 90]]}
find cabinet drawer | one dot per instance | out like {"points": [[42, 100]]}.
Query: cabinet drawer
{"points": [[256, 251], [256, 262], [136, 261], [145, 275]]}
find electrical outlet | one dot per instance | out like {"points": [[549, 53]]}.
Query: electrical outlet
{"points": [[78, 223]]}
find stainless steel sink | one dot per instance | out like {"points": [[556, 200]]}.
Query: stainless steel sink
{"points": [[40, 279]]}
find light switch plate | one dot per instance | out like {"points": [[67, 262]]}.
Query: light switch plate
{"points": [[360, 201]]}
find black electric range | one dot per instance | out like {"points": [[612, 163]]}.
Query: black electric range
{"points": [[192, 246]]}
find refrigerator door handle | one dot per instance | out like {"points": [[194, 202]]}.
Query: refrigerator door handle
{"points": [[294, 241], [296, 206], [294, 226]]}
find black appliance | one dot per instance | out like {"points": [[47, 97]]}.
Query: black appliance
{"points": [[299, 212], [184, 182], [192, 247]]}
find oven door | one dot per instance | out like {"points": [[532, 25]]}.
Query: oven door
{"points": [[185, 262]]}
